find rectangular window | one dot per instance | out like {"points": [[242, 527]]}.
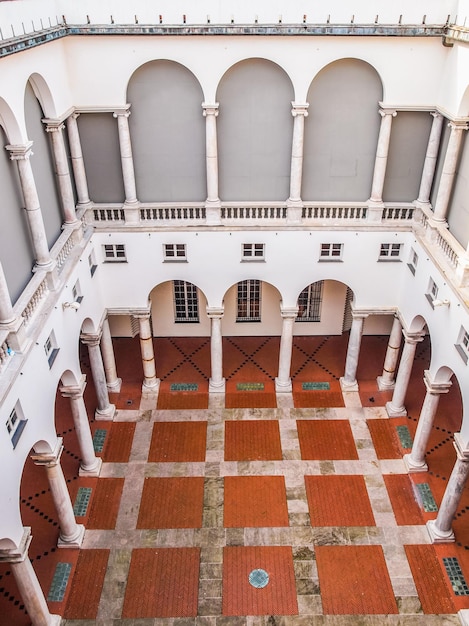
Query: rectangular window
{"points": [[15, 425], [186, 304], [390, 251], [432, 292], [413, 260], [249, 301], [174, 252], [114, 253], [462, 345], [76, 292], [51, 349], [92, 263], [309, 303], [253, 252], [331, 251]]}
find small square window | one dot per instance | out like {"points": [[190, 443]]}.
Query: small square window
{"points": [[174, 252], [432, 292], [15, 425], [114, 253], [413, 260], [390, 252], [51, 349], [253, 252], [462, 345], [331, 251], [92, 263]]}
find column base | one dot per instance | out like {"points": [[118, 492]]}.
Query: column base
{"points": [[437, 536], [282, 386], [93, 471], [348, 386], [114, 387], [151, 385], [75, 542], [218, 387], [107, 414], [55, 620], [463, 615], [384, 385], [213, 212], [393, 411], [412, 467]]}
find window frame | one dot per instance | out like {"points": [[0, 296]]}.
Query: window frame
{"points": [[15, 424], [331, 252], [248, 301], [51, 349], [252, 252], [174, 253], [186, 302], [313, 296], [390, 251], [432, 292], [462, 344], [413, 261], [114, 253]]}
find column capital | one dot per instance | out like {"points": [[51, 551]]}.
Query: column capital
{"points": [[458, 124], [20, 552], [49, 459], [299, 109], [461, 447], [436, 114], [433, 387], [74, 391], [141, 314], [53, 126], [357, 314], [289, 312], [20, 152], [415, 337], [75, 115], [215, 312], [91, 339], [210, 109], [386, 110], [122, 112]]}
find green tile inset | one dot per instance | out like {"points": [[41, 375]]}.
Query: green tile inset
{"points": [[59, 582], [98, 439], [250, 386], [315, 386], [455, 575], [81, 501], [404, 436], [426, 497], [184, 387]]}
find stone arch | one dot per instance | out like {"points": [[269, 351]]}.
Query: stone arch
{"points": [[43, 94], [9, 123], [162, 300]]}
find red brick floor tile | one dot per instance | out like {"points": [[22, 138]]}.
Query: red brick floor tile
{"points": [[349, 577], [429, 578], [240, 399], [118, 443], [162, 582], [278, 597], [182, 359], [252, 440], [255, 501], [401, 492], [244, 357], [318, 398], [326, 440], [177, 400], [370, 395], [178, 442], [457, 551], [172, 503], [105, 503], [385, 439], [129, 395], [87, 585], [338, 501]]}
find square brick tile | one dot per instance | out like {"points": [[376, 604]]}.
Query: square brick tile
{"points": [[172, 503], [178, 442], [338, 501], [326, 440], [255, 501], [252, 440]]}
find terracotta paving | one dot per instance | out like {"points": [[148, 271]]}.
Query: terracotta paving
{"points": [[191, 500]]}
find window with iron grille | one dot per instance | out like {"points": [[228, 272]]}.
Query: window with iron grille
{"points": [[174, 252], [309, 303], [186, 304], [253, 252], [390, 251], [249, 301], [462, 345], [331, 251], [114, 253]]}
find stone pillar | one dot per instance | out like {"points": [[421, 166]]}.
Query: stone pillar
{"points": [[105, 410], [440, 529], [113, 382], [122, 116], [211, 154], [299, 112], [90, 464], [449, 171], [386, 380], [71, 533], [430, 160], [382, 150], [216, 382], [54, 128], [349, 381], [78, 164], [21, 155], [150, 381], [396, 407], [28, 583], [283, 382], [6, 310], [415, 461]]}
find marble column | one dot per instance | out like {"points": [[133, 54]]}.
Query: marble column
{"points": [[78, 164], [448, 174], [122, 116], [55, 128], [415, 461], [28, 584], [71, 533], [216, 382], [396, 407], [150, 380], [105, 410], [386, 381], [112, 381], [299, 112], [440, 529], [283, 382], [431, 157], [349, 381], [90, 464], [21, 155], [211, 114], [6, 310], [382, 150]]}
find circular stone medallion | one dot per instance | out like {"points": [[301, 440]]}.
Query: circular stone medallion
{"points": [[259, 578]]}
